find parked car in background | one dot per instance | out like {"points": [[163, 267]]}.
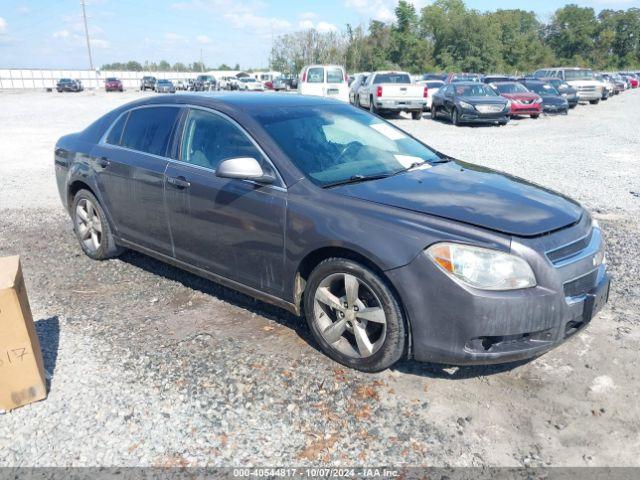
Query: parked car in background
{"points": [[148, 83], [589, 89], [387, 248], [165, 86], [69, 85], [552, 101], [470, 102], [250, 84], [632, 80], [182, 84], [283, 83], [619, 84], [433, 76], [205, 83], [112, 84], [566, 90], [384, 92], [607, 87], [228, 83], [523, 101], [463, 77], [324, 81], [497, 78], [432, 88], [358, 80]]}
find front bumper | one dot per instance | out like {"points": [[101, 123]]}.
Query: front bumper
{"points": [[474, 116], [400, 105], [525, 108], [563, 108], [454, 324]]}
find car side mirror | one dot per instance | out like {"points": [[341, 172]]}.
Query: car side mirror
{"points": [[244, 168]]}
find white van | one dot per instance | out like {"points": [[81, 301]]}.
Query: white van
{"points": [[324, 81]]}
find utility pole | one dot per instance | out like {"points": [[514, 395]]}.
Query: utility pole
{"points": [[86, 32], [201, 62]]}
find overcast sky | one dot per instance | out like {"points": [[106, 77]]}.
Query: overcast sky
{"points": [[50, 33]]}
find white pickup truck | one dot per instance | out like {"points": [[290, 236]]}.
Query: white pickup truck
{"points": [[392, 92]]}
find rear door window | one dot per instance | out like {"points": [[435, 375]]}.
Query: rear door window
{"points": [[115, 134], [149, 129], [315, 75]]}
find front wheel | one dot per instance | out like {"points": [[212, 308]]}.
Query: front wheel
{"points": [[455, 118], [354, 316], [535, 116], [594, 102], [92, 227], [434, 112]]}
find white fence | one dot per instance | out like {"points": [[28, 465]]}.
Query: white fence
{"points": [[42, 79]]}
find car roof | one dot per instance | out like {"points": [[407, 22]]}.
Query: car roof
{"points": [[239, 101]]}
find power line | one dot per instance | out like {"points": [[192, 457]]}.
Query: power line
{"points": [[86, 32]]}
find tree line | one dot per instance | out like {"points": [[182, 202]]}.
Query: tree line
{"points": [[448, 36], [164, 66]]}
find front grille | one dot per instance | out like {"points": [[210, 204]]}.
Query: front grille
{"points": [[587, 89], [581, 285], [526, 102], [562, 253]]}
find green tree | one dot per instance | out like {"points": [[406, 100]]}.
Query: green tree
{"points": [[572, 32]]}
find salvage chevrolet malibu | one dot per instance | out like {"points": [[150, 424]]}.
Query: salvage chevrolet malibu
{"points": [[389, 248]]}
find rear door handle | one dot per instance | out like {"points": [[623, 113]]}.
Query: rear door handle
{"points": [[104, 162], [179, 182]]}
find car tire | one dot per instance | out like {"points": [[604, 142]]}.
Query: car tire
{"points": [[502, 124], [416, 115], [92, 228], [594, 102], [386, 337], [455, 120], [434, 112], [535, 117]]}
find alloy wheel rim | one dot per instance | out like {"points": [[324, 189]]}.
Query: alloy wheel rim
{"points": [[88, 225], [349, 315]]}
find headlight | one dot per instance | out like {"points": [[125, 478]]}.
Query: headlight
{"points": [[466, 105], [508, 105], [537, 100], [482, 268]]}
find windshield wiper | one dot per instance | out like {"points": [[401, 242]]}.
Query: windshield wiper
{"points": [[356, 179]]}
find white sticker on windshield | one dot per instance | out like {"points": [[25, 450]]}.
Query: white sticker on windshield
{"points": [[407, 160], [388, 131]]}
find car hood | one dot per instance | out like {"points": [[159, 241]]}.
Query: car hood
{"points": [[553, 99], [474, 195]]}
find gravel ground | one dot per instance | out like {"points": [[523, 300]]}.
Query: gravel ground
{"points": [[149, 365]]}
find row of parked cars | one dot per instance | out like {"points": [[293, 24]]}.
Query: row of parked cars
{"points": [[476, 98]]}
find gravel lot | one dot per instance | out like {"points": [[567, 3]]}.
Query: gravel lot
{"points": [[149, 365]]}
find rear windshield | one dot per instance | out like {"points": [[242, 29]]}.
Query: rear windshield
{"points": [[434, 84], [392, 78]]}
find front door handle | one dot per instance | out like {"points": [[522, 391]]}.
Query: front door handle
{"points": [[103, 162], [179, 182]]}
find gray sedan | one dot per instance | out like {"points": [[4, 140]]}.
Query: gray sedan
{"points": [[388, 248]]}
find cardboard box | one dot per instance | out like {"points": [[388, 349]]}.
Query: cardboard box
{"points": [[22, 379]]}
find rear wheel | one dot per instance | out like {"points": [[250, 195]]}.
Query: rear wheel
{"points": [[92, 227], [354, 316], [416, 115]]}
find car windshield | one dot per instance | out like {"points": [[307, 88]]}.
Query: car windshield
{"points": [[511, 88], [112, 79], [478, 90], [578, 74], [392, 78], [332, 144], [434, 84], [542, 89]]}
